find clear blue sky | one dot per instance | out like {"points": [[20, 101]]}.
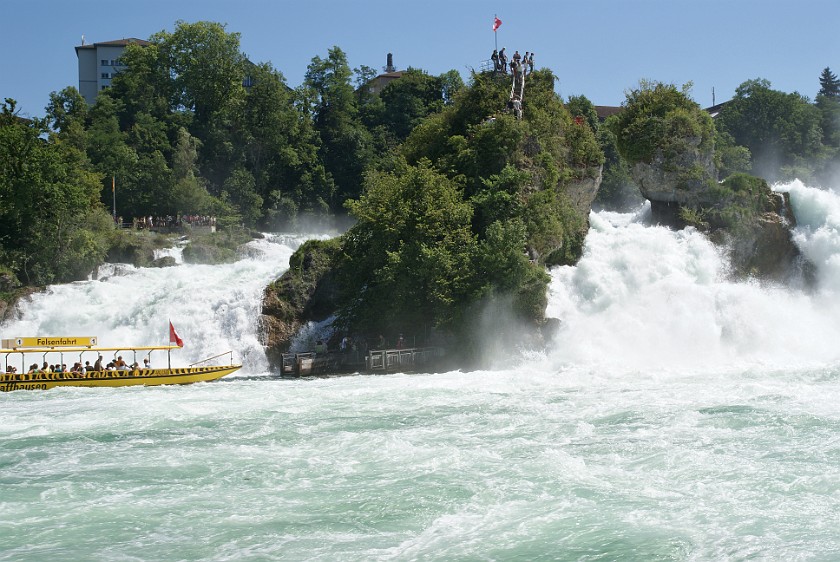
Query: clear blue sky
{"points": [[598, 48]]}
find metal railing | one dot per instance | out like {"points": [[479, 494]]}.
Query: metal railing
{"points": [[398, 359]]}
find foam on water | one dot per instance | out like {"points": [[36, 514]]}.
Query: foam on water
{"points": [[650, 297], [678, 416], [214, 308]]}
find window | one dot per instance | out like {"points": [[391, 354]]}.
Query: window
{"points": [[104, 62], [105, 75], [114, 62]]}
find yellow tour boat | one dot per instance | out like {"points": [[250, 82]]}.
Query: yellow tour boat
{"points": [[56, 350]]}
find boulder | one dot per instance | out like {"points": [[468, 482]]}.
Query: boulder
{"points": [[305, 292]]}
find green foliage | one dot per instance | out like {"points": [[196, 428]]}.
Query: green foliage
{"points": [[694, 217], [407, 259], [580, 106], [618, 190], [409, 100], [779, 129], [829, 84], [739, 199], [729, 157], [506, 270], [499, 199], [52, 228], [345, 142], [216, 247], [658, 117]]}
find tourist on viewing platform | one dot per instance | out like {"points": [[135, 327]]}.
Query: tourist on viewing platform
{"points": [[495, 58], [400, 342], [503, 60], [516, 57], [531, 63]]}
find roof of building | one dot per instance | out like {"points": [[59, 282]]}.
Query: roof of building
{"points": [[116, 43], [605, 111]]}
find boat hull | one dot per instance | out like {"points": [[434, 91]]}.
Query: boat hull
{"points": [[138, 377]]}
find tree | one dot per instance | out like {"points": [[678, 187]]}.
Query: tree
{"points": [[67, 113], [408, 257], [281, 147], [410, 99], [51, 223], [829, 84], [782, 131], [580, 106], [206, 67], [659, 118], [344, 141]]}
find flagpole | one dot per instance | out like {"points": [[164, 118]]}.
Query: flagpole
{"points": [[496, 31], [114, 195]]}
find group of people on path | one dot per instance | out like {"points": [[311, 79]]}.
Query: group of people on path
{"points": [[169, 221], [518, 64]]}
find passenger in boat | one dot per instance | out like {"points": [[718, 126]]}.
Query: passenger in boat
{"points": [[120, 365], [88, 367], [46, 368], [146, 363], [98, 365], [110, 366]]}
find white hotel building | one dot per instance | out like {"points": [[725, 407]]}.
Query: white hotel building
{"points": [[98, 63]]}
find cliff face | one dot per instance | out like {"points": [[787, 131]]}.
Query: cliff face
{"points": [[754, 226], [682, 178], [306, 292], [583, 192]]}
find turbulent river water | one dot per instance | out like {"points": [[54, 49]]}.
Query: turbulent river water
{"points": [[677, 416]]}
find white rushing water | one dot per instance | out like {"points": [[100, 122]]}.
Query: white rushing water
{"points": [[677, 416]]}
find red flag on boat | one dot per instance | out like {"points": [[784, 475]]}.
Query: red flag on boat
{"points": [[497, 23], [174, 337]]}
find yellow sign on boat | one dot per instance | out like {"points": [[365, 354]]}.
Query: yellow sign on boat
{"points": [[52, 341]]}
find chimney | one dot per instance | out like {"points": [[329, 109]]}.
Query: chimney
{"points": [[390, 66]]}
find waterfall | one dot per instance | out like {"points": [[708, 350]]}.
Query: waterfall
{"points": [[213, 307], [640, 297], [649, 297]]}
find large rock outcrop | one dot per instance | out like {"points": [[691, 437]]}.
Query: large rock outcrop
{"points": [[306, 292], [679, 178]]}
